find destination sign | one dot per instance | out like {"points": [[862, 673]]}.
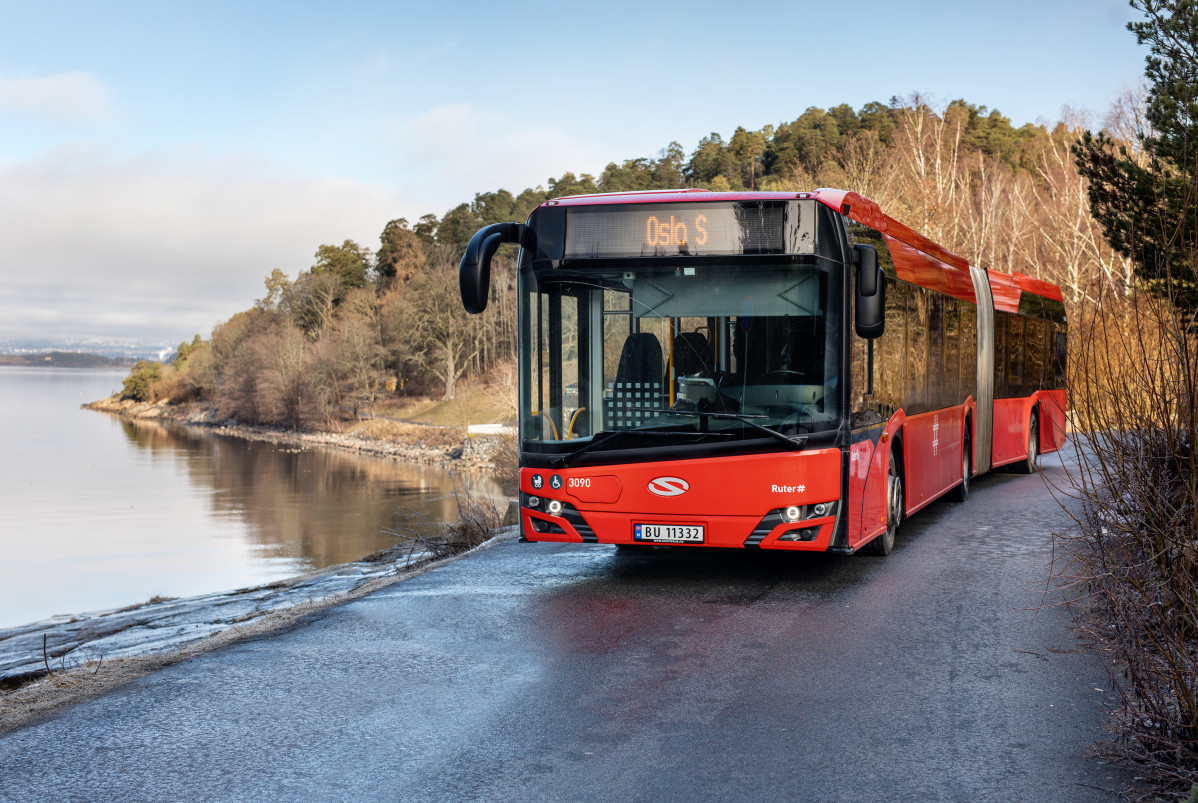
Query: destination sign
{"points": [[688, 229]]}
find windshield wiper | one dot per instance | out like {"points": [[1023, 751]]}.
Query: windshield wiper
{"points": [[796, 442], [604, 437]]}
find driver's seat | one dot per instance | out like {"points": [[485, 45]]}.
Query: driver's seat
{"points": [[638, 384], [692, 354]]}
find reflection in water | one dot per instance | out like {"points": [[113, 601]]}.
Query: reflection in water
{"points": [[318, 507], [98, 513]]}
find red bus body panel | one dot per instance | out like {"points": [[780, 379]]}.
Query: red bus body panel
{"points": [[1012, 417], [728, 497], [931, 445], [1052, 420], [866, 497], [1007, 288]]}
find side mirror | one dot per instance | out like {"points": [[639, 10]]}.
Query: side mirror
{"points": [[474, 271], [870, 307], [865, 257]]}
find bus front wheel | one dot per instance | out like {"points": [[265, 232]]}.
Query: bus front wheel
{"points": [[884, 543]]}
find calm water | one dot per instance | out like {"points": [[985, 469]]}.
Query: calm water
{"points": [[100, 513]]}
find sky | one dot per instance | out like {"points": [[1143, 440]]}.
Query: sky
{"points": [[158, 160]]}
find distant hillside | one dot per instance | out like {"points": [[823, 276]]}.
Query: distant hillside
{"points": [[64, 359], [363, 326]]}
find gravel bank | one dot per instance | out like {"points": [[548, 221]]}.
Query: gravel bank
{"points": [[443, 446]]}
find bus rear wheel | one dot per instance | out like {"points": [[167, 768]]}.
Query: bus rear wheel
{"points": [[884, 543], [1032, 463]]}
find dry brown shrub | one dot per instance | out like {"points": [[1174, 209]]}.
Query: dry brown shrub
{"points": [[170, 386], [1133, 548], [478, 520], [506, 463]]}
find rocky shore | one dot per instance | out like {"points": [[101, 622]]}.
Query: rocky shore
{"points": [[49, 665], [68, 642], [63, 643], [424, 443]]}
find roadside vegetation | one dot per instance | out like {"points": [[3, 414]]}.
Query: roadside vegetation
{"points": [[1133, 550], [479, 519]]}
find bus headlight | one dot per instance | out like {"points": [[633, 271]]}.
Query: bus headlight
{"points": [[823, 509], [792, 513], [534, 501], [554, 507]]}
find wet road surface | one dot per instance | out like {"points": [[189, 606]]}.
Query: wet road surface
{"points": [[545, 672]]}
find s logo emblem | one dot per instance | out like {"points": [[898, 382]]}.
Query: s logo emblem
{"points": [[668, 486]]}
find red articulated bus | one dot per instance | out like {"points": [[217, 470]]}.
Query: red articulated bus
{"points": [[762, 370]]}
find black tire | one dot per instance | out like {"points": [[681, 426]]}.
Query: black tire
{"points": [[884, 543], [961, 492], [1031, 464]]}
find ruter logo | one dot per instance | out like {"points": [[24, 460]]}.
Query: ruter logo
{"points": [[668, 486]]}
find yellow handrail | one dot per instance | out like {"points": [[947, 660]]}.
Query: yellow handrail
{"points": [[574, 418]]}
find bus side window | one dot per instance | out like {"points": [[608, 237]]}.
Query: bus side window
{"points": [[934, 380], [917, 351], [1016, 342], [890, 368], [968, 351], [1037, 354], [1000, 346], [1060, 358], [859, 379]]}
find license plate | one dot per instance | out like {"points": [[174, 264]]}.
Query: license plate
{"points": [[668, 533]]}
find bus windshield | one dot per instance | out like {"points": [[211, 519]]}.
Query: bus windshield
{"points": [[631, 356]]}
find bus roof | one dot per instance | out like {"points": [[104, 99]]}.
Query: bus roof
{"points": [[917, 259], [1007, 288], [856, 207], [667, 196]]}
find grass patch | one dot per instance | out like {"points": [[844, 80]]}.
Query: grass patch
{"points": [[475, 404]]}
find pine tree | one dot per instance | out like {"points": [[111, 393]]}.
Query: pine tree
{"points": [[1147, 207]]}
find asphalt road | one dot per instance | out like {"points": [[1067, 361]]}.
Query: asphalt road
{"points": [[543, 672]]}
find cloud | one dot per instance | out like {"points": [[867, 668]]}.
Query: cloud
{"points": [[472, 149], [162, 246], [64, 97]]}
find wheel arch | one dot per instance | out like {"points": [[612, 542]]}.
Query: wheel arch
{"points": [[897, 449]]}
